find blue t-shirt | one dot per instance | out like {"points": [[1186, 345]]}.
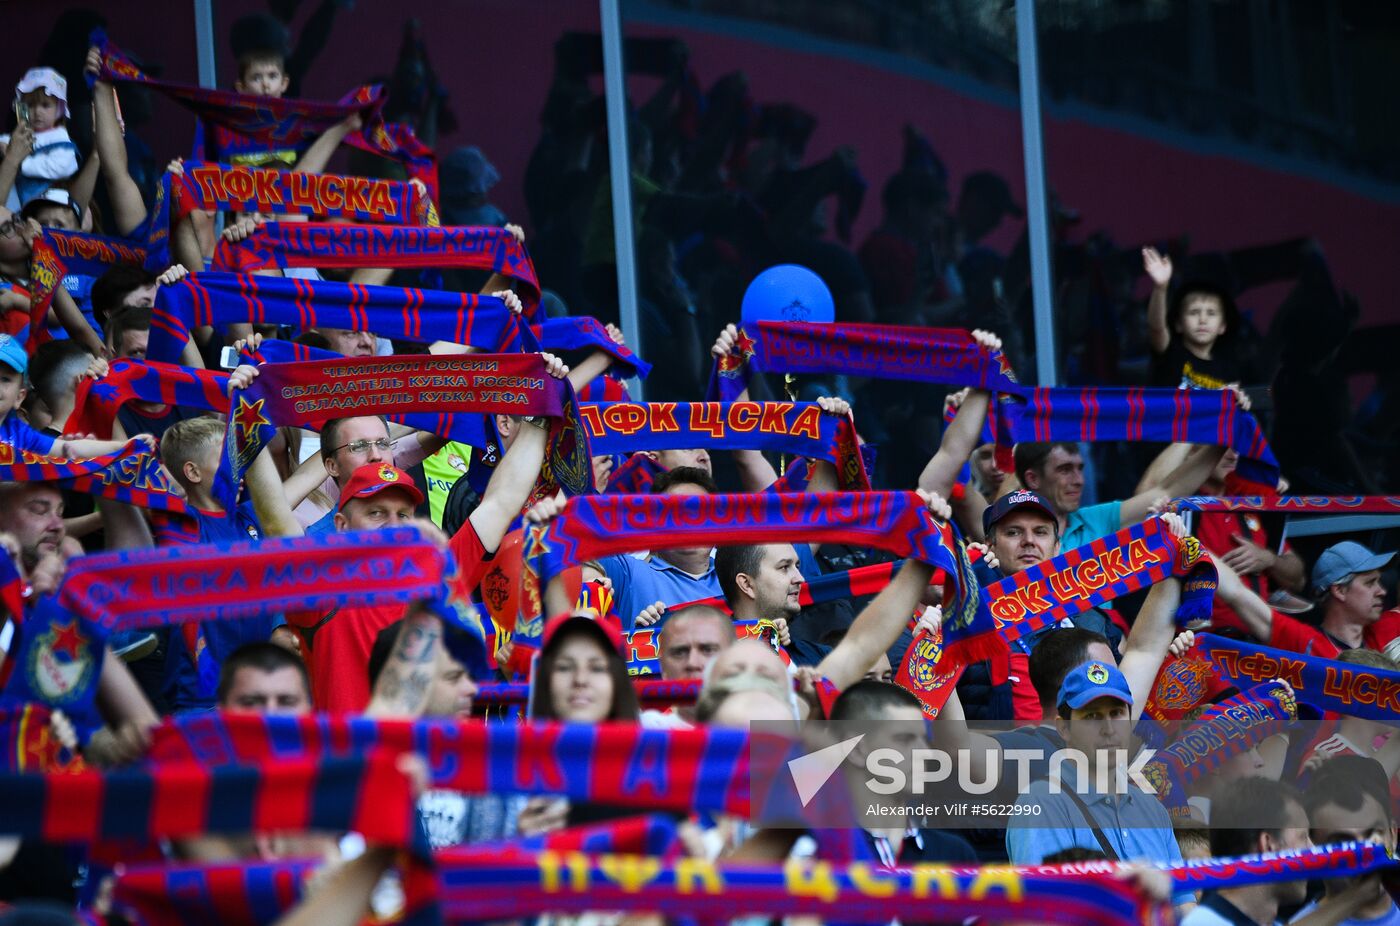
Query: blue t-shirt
{"points": [[1088, 524], [325, 525], [15, 430]]}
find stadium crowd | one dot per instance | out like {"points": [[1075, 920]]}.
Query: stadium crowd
{"points": [[259, 461]]}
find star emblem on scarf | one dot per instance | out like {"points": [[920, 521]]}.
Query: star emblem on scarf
{"points": [[67, 639], [537, 545], [249, 417], [732, 362]]}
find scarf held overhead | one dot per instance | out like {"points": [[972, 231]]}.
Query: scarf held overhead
{"points": [[97, 401], [1232, 727], [157, 587], [1134, 558], [800, 428], [452, 387], [595, 526], [406, 314], [326, 244], [132, 475], [247, 122], [205, 185], [929, 355], [1333, 686], [1291, 504], [1195, 416], [56, 254]]}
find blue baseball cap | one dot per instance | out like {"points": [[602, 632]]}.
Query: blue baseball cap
{"points": [[12, 354], [1093, 680], [1345, 559], [1012, 501]]}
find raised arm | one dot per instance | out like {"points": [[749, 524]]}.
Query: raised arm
{"points": [[264, 485], [963, 433], [499, 281], [1184, 480], [515, 476], [1159, 268], [1253, 612], [405, 681], [128, 208], [877, 627], [84, 183], [1146, 644], [951, 735], [315, 158]]}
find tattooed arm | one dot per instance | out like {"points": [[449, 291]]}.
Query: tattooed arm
{"points": [[404, 682]]}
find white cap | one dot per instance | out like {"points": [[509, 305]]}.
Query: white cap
{"points": [[48, 80]]}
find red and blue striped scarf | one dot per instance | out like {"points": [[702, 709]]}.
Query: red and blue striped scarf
{"points": [[56, 254], [1290, 504], [581, 332], [245, 122], [608, 763], [157, 587], [1131, 559], [1227, 730], [365, 793], [389, 311], [1195, 416], [451, 387], [1332, 686], [484, 886], [243, 894], [929, 355], [594, 526], [332, 244], [132, 475], [97, 401], [799, 428], [207, 185], [257, 893]]}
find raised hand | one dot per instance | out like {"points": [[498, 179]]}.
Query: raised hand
{"points": [[1158, 266]]}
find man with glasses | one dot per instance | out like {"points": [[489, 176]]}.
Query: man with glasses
{"points": [[348, 444]]}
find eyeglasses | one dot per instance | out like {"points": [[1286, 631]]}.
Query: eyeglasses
{"points": [[10, 225], [362, 446]]}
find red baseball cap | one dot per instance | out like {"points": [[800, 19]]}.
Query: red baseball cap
{"points": [[373, 478], [605, 632]]}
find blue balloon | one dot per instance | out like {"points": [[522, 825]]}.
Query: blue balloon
{"points": [[788, 293]]}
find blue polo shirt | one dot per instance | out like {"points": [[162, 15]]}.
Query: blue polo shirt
{"points": [[1088, 524], [1135, 824], [640, 583]]}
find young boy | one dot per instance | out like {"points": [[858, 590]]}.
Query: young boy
{"points": [[1187, 337], [260, 46], [41, 138], [191, 450], [15, 431]]}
